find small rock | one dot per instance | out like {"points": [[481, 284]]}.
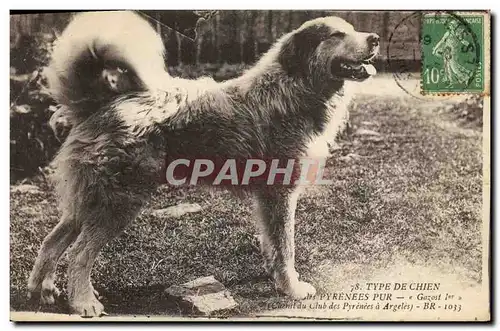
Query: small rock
{"points": [[368, 123], [203, 295], [334, 146], [366, 132], [350, 156], [177, 211], [24, 188], [374, 139]]}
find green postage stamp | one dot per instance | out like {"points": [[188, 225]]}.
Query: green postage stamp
{"points": [[453, 53]]}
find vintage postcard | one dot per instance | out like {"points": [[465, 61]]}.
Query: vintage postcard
{"points": [[250, 165]]}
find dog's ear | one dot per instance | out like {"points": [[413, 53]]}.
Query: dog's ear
{"points": [[296, 52]]}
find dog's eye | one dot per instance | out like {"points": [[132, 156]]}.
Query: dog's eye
{"points": [[338, 34]]}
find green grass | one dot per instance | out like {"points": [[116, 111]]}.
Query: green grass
{"points": [[413, 196]]}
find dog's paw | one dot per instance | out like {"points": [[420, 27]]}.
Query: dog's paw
{"points": [[45, 292], [300, 290], [87, 307], [49, 292]]}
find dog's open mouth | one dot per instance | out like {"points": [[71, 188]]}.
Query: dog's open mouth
{"points": [[353, 70]]}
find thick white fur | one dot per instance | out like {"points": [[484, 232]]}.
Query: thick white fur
{"points": [[118, 35]]}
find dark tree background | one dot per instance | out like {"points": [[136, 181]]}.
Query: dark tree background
{"points": [[229, 36]]}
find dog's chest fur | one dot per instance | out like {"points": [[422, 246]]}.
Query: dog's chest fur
{"points": [[337, 110]]}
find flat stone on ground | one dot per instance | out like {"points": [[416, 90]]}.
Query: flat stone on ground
{"points": [[204, 296], [178, 210], [366, 132]]}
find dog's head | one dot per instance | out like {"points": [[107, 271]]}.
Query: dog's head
{"points": [[329, 47]]}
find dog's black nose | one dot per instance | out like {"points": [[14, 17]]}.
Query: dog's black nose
{"points": [[373, 39]]}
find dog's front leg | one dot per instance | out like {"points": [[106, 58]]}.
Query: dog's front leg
{"points": [[277, 222]]}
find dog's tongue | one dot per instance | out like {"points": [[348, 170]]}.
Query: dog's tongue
{"points": [[370, 69]]}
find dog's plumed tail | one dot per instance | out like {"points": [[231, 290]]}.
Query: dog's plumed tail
{"points": [[94, 41]]}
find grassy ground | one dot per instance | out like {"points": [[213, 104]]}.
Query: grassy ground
{"points": [[412, 194]]}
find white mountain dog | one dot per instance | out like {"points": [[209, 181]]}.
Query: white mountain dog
{"points": [[130, 118]]}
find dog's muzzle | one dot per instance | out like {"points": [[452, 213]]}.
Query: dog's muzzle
{"points": [[361, 70], [358, 71]]}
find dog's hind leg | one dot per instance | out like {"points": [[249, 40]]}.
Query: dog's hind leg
{"points": [[42, 276], [81, 293], [276, 208], [98, 228], [81, 259]]}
